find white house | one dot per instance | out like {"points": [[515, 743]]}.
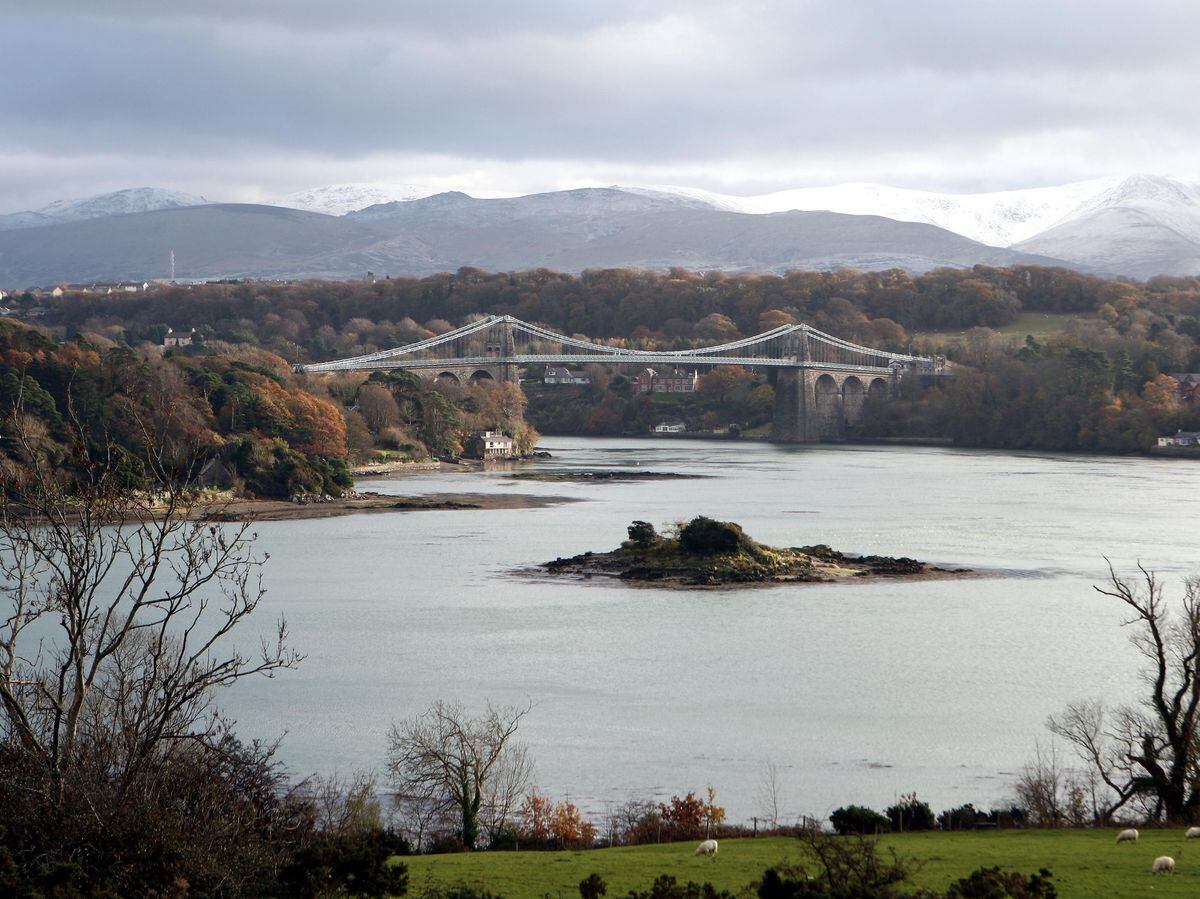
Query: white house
{"points": [[670, 427], [1181, 438], [556, 374], [492, 445]]}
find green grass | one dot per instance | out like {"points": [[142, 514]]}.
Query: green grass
{"points": [[672, 399], [1085, 863], [1040, 324]]}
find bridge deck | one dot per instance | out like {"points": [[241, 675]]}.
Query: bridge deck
{"points": [[494, 341]]}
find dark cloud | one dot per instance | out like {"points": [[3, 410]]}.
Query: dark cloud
{"points": [[749, 96]]}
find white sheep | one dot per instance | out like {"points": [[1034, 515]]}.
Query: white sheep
{"points": [[708, 847], [1192, 833], [1164, 864], [1127, 836]]}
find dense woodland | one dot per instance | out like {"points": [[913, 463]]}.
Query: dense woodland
{"points": [[1098, 385], [236, 417], [305, 321]]}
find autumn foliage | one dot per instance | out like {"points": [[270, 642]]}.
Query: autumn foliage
{"points": [[554, 824], [690, 817], [243, 410]]}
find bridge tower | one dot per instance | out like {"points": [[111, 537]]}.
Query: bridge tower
{"points": [[793, 420], [501, 345]]}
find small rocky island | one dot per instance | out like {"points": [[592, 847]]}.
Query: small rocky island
{"points": [[708, 553]]}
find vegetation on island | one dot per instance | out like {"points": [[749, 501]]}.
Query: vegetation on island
{"points": [[708, 553]]}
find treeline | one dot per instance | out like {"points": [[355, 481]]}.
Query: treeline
{"points": [[1089, 390], [234, 417], [1094, 386], [325, 319], [240, 414]]}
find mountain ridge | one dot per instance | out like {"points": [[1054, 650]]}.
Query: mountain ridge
{"points": [[594, 228], [1139, 226]]}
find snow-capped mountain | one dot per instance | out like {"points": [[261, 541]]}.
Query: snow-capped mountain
{"points": [[1142, 226], [121, 202], [1175, 204], [998, 219], [338, 199]]}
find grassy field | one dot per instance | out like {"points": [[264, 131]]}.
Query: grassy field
{"points": [[1086, 863], [1040, 324]]}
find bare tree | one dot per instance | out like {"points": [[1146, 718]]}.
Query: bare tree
{"points": [[119, 607], [504, 789], [452, 762], [344, 806], [1147, 754], [1051, 794], [769, 793], [422, 813], [119, 602]]}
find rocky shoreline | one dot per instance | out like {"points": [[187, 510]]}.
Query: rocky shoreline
{"points": [[604, 476], [284, 510], [707, 553]]}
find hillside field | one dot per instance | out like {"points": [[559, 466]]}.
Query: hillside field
{"points": [[1085, 863], [1040, 325]]}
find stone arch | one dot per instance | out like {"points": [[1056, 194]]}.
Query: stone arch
{"points": [[447, 377], [879, 387], [481, 375], [828, 405], [854, 395]]}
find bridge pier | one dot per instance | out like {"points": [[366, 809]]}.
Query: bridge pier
{"points": [[814, 404], [793, 422]]}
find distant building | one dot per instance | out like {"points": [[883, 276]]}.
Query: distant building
{"points": [[138, 287], [216, 475], [1189, 386], [491, 445], [556, 374], [104, 287], [670, 427], [1181, 438], [651, 381], [178, 338]]}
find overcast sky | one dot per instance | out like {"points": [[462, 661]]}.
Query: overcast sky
{"points": [[250, 99]]}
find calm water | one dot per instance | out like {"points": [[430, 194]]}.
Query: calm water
{"points": [[856, 692]]}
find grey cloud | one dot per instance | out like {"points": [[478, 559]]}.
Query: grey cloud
{"points": [[445, 17], [807, 85]]}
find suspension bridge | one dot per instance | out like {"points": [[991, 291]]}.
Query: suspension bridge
{"points": [[821, 382]]}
